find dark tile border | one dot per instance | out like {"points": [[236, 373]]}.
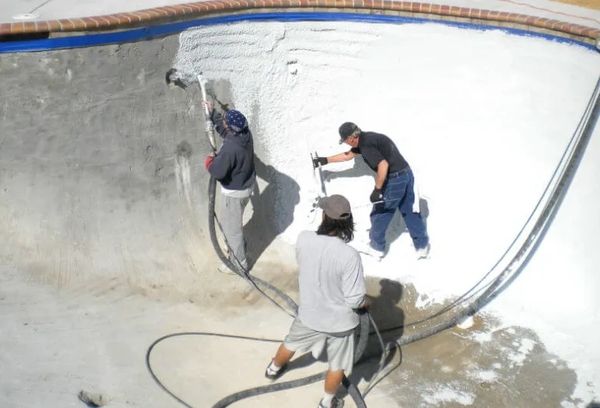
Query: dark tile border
{"points": [[200, 9]]}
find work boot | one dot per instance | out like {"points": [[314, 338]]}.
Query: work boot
{"points": [[335, 403]]}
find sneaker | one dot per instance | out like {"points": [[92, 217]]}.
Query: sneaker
{"points": [[423, 253], [367, 249], [273, 374], [335, 403]]}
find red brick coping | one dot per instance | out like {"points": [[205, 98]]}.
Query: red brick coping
{"points": [[190, 11]]}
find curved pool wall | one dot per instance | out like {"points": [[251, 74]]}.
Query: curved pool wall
{"points": [[101, 163], [134, 143]]}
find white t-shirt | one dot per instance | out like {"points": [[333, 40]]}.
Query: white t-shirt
{"points": [[331, 283]]}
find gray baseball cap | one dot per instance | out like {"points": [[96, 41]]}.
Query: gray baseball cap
{"points": [[336, 207], [346, 130]]}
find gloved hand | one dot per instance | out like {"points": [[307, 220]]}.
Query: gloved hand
{"points": [[376, 195], [224, 106], [208, 161], [364, 306], [319, 161]]}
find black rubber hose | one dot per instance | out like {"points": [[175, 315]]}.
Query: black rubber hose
{"points": [[286, 385], [279, 386], [169, 336]]}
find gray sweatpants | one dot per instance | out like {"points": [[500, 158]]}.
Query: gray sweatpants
{"points": [[232, 221]]}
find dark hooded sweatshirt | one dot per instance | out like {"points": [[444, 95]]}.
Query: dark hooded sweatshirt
{"points": [[233, 165]]}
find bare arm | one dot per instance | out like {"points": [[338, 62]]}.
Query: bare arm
{"points": [[342, 157], [382, 172]]}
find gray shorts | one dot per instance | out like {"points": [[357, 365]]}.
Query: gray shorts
{"points": [[340, 346]]}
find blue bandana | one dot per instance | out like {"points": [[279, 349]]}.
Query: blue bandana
{"points": [[236, 121]]}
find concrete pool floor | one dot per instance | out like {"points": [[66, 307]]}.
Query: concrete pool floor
{"points": [[94, 339], [66, 334]]}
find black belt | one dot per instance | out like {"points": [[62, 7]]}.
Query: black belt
{"points": [[398, 173]]}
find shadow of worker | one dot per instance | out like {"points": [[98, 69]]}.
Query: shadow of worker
{"points": [[386, 314], [273, 209]]}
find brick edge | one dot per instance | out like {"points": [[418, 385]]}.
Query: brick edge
{"points": [[190, 11]]}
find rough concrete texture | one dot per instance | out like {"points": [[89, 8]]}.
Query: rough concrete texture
{"points": [[103, 223], [101, 169]]}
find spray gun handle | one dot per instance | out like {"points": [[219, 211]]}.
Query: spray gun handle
{"points": [[209, 125], [202, 83]]}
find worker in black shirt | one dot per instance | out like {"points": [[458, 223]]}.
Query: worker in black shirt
{"points": [[394, 186]]}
